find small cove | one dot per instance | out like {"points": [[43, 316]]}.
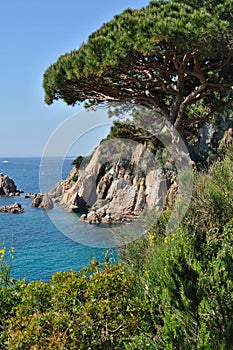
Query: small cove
{"points": [[40, 247]]}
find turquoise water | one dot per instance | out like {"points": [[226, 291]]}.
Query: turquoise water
{"points": [[40, 247]]}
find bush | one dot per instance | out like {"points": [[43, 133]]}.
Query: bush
{"points": [[187, 275], [171, 291], [81, 161], [94, 308], [213, 194], [78, 161]]}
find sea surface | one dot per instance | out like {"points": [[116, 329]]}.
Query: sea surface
{"points": [[41, 247]]}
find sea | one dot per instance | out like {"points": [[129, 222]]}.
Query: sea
{"points": [[43, 241]]}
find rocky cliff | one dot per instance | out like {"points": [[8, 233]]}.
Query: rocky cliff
{"points": [[123, 178], [119, 182]]}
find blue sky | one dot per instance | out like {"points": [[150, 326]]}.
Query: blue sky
{"points": [[33, 35]]}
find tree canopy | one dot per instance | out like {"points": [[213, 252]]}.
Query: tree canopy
{"points": [[169, 55]]}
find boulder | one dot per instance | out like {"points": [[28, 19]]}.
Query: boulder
{"points": [[7, 186], [30, 195], [42, 201], [15, 208], [37, 201], [83, 217], [92, 218], [47, 202]]}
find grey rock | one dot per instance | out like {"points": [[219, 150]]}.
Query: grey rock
{"points": [[92, 218], [15, 208], [172, 194], [7, 186], [119, 192], [83, 217], [30, 195], [42, 201], [106, 219], [47, 203], [37, 201]]}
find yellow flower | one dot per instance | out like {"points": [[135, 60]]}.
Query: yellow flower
{"points": [[2, 253], [151, 238], [147, 273], [12, 249], [166, 240]]}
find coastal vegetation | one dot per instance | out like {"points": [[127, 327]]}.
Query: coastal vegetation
{"points": [[170, 291]]}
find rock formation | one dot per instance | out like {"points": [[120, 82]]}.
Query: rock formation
{"points": [[30, 195], [7, 186], [115, 186], [12, 209], [42, 201]]}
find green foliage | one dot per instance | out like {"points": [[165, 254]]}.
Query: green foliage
{"points": [[168, 55], [5, 266], [94, 308], [75, 178], [81, 161], [213, 200], [187, 275], [78, 161], [190, 288], [171, 291], [129, 130]]}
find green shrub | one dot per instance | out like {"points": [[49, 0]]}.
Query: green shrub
{"points": [[78, 161], [172, 291], [213, 194], [187, 274], [5, 266], [81, 161], [95, 308]]}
